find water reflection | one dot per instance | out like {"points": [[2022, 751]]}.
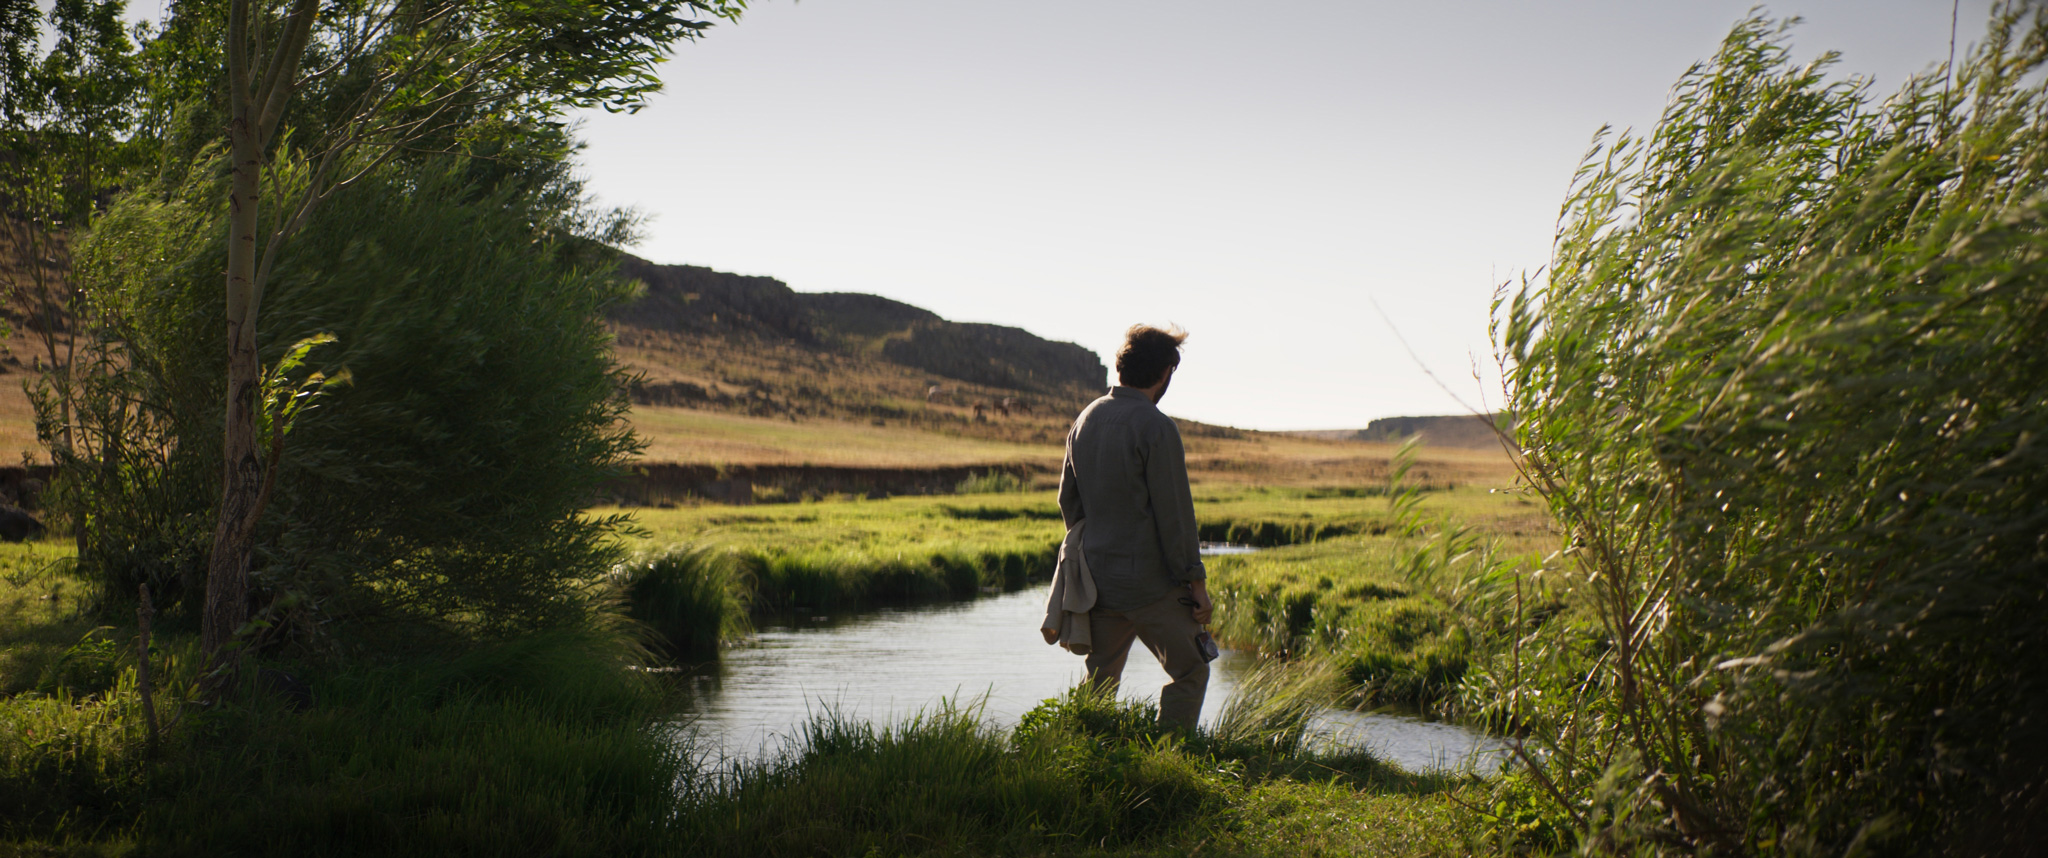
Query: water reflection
{"points": [[886, 665]]}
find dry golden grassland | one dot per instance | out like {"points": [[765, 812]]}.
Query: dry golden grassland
{"points": [[1250, 459], [767, 378], [18, 423], [711, 437], [17, 417]]}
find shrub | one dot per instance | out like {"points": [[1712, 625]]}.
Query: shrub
{"points": [[446, 480], [1785, 391]]}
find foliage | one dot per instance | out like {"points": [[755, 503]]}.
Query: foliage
{"points": [[1785, 391], [65, 116], [381, 80], [67, 123], [135, 506], [445, 479], [531, 745], [88, 667]]}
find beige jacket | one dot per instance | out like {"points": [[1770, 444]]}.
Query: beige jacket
{"points": [[1071, 597], [1126, 472]]}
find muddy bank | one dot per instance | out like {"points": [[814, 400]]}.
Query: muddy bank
{"points": [[659, 483]]}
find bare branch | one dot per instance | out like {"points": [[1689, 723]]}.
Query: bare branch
{"points": [[278, 84]]}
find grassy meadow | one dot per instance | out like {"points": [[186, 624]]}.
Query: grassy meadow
{"points": [[429, 753], [542, 745], [1339, 578], [851, 552], [1216, 456]]}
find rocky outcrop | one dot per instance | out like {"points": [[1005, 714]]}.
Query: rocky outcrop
{"points": [[1457, 430], [996, 356], [695, 301], [690, 299]]}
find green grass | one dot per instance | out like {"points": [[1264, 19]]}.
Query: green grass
{"points": [[1343, 599], [1080, 775], [553, 745], [838, 555], [845, 554], [1382, 608], [40, 616], [536, 746], [1335, 589]]}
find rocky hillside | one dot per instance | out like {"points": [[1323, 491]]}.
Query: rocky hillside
{"points": [[687, 300], [705, 340]]}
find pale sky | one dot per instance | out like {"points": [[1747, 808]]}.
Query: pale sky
{"points": [[1257, 173]]}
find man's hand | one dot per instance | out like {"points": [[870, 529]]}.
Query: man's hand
{"points": [[1203, 607]]}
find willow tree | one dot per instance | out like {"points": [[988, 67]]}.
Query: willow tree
{"points": [[392, 76], [1785, 393]]}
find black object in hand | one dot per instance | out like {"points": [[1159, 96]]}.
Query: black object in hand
{"points": [[1206, 645]]}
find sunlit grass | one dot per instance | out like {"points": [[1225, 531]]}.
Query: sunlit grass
{"points": [[39, 610]]}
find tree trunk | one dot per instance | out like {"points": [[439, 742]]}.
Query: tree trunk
{"points": [[241, 502]]}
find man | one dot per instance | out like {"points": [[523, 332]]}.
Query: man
{"points": [[1126, 474]]}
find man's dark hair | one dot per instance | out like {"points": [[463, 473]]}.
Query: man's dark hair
{"points": [[1147, 353]]}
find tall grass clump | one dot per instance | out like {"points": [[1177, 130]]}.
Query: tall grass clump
{"points": [[73, 761], [993, 482], [533, 746], [1273, 705], [1785, 390], [867, 576], [690, 599]]}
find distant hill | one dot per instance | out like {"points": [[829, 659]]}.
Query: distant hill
{"points": [[707, 340], [1454, 430], [692, 300]]}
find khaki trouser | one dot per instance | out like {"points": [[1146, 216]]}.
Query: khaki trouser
{"points": [[1168, 629]]}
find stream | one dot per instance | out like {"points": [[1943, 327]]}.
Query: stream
{"points": [[886, 665]]}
